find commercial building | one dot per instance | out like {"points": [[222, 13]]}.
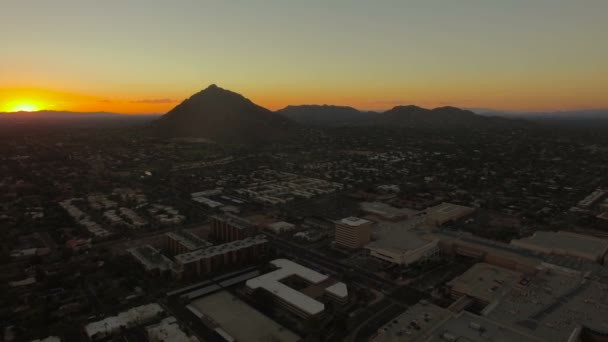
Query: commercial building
{"points": [[305, 302], [168, 330], [446, 212], [151, 259], [566, 243], [353, 232], [215, 258], [229, 227], [554, 306], [403, 243], [386, 212], [281, 227], [235, 320], [488, 251], [115, 324], [181, 241], [427, 322], [483, 283]]}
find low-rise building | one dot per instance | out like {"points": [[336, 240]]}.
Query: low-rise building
{"points": [[168, 330], [386, 212], [566, 243], [428, 322], [445, 213], [281, 227], [115, 324], [181, 241], [151, 259], [211, 259], [484, 283], [229, 227], [403, 243], [305, 302]]}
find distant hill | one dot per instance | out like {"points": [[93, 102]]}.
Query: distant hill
{"points": [[399, 116], [442, 117], [325, 115], [224, 116], [59, 119], [586, 118]]}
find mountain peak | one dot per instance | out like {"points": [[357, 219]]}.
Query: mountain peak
{"points": [[222, 115]]}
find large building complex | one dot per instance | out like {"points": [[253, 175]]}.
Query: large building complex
{"points": [[428, 322], [403, 243], [168, 330], [181, 241], [554, 305], [445, 213], [566, 243], [353, 232], [306, 302], [235, 320], [386, 212], [229, 227], [215, 258], [483, 283], [151, 259], [109, 326]]}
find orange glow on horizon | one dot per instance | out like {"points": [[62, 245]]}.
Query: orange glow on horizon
{"points": [[15, 100]]}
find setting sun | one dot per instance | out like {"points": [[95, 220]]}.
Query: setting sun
{"points": [[24, 107]]}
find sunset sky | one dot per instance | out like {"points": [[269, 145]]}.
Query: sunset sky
{"points": [[144, 56]]}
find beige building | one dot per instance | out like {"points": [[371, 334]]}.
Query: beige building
{"points": [[446, 212], [566, 243], [403, 243], [353, 232]]}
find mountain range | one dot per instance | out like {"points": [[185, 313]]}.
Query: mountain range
{"points": [[225, 116]]}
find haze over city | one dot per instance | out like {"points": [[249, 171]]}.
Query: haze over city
{"points": [[144, 56]]}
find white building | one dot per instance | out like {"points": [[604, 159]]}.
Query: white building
{"points": [[293, 300]]}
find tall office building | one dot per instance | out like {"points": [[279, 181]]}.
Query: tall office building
{"points": [[353, 232]]}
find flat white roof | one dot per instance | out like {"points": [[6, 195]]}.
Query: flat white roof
{"points": [[354, 221], [271, 283], [338, 290]]}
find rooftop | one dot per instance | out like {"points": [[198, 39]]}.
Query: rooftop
{"points": [[236, 221], [552, 304], [411, 324], [150, 257], [386, 211], [448, 209], [271, 282], [240, 320], [484, 281], [220, 249], [168, 330], [466, 326], [131, 317], [354, 221], [188, 239], [562, 242], [400, 236]]}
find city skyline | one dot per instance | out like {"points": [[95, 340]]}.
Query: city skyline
{"points": [[516, 56]]}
